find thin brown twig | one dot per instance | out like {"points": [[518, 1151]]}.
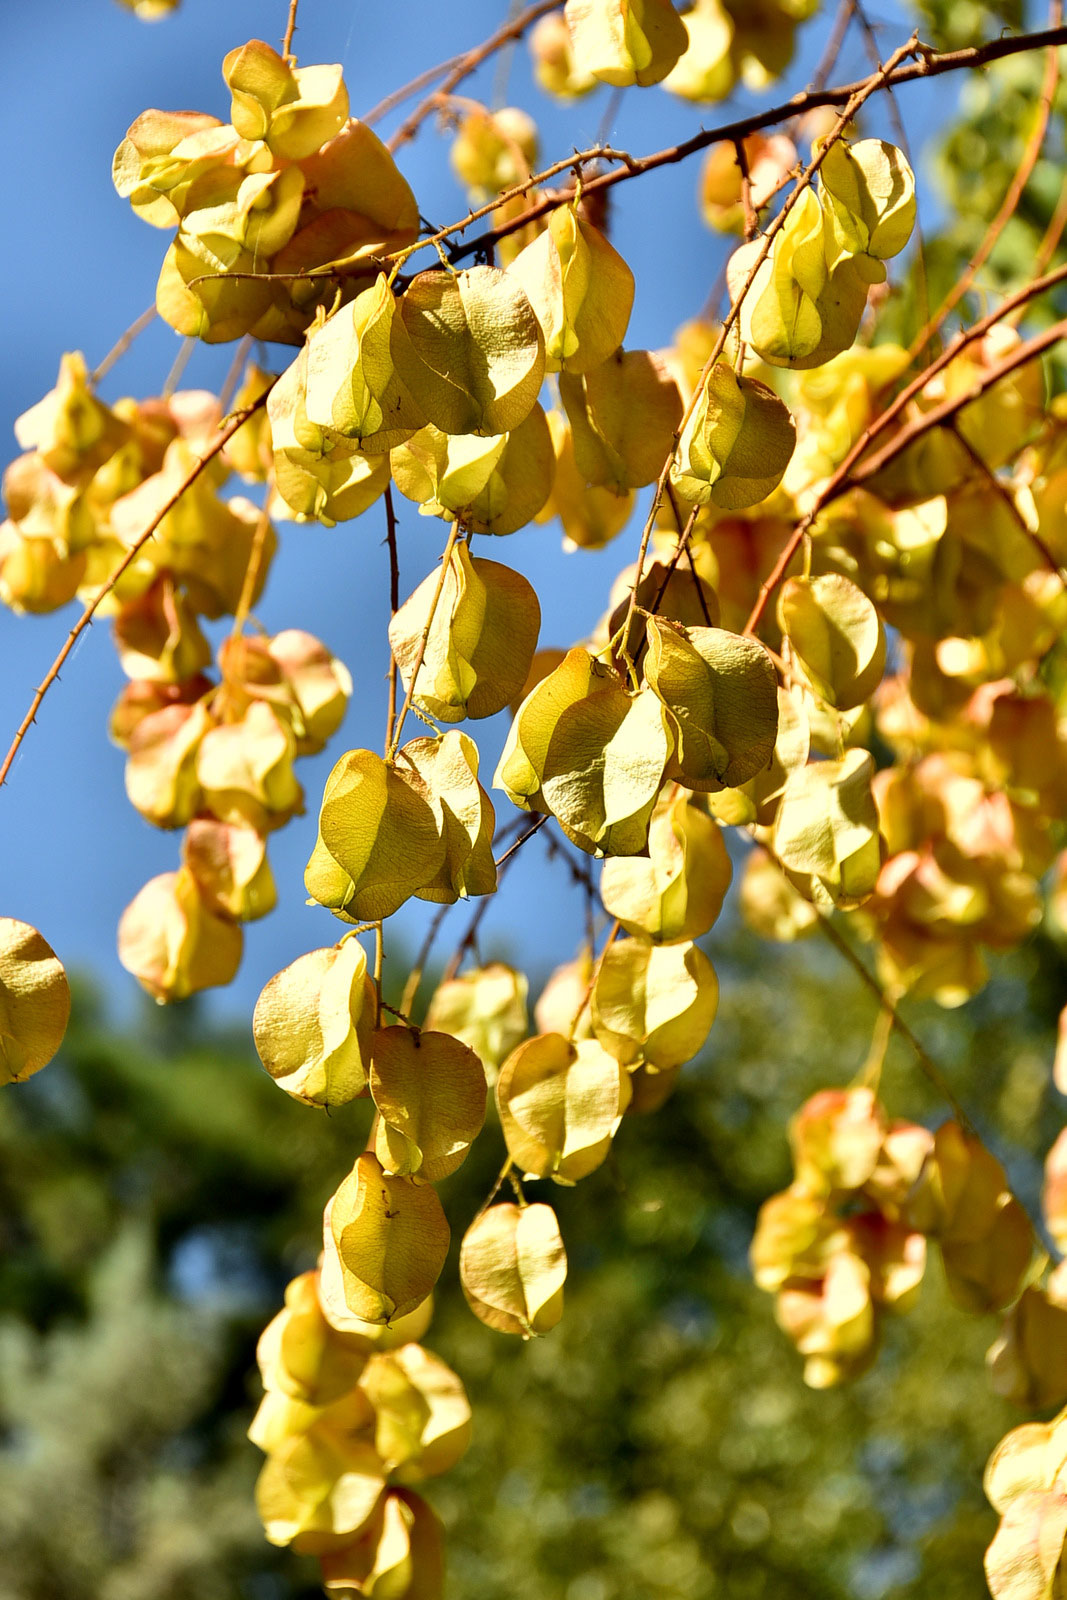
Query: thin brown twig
{"points": [[468, 63], [227, 433], [749, 210], [1010, 203], [120, 347], [181, 361], [834, 43], [290, 29], [255, 562], [394, 607]]}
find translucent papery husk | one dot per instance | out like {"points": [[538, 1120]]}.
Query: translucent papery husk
{"points": [[1027, 1363], [481, 640], [736, 445], [444, 772], [770, 904], [245, 770], [400, 1554], [585, 749], [469, 349], [301, 1356], [555, 65], [720, 692], [172, 941], [675, 894], [836, 635], [162, 782], [158, 635], [378, 843], [72, 430], [623, 417], [313, 1023], [591, 515], [491, 484], [306, 685], [563, 1004], [316, 1494], [871, 192], [351, 388], [429, 1090], [827, 827], [34, 1001], [229, 862], [293, 110], [391, 1239], [560, 1106], [671, 594], [317, 479], [484, 1008], [705, 71], [654, 1003], [512, 1268], [422, 1414], [580, 288], [494, 150], [623, 42]]}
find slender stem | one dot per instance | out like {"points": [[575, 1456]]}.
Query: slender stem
{"points": [[379, 963], [394, 607], [227, 433], [255, 562], [233, 376], [446, 563], [290, 29], [613, 934], [181, 361], [121, 346]]}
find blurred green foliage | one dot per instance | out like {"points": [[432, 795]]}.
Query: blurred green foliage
{"points": [[158, 1190]]}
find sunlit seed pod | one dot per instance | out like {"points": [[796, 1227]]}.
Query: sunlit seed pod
{"points": [[790, 1238], [494, 484], [871, 191], [378, 841], [836, 1139], [836, 635], [158, 635], [73, 431], [229, 862], [827, 827], [580, 288], [173, 943], [351, 386], [563, 1005], [482, 635], [391, 1238], [163, 156], [313, 1022], [142, 697], [333, 1278], [671, 594], [544, 662], [560, 1106], [591, 515], [302, 1356], [444, 772], [249, 450], [161, 769], [720, 691], [1027, 1364], [705, 71], [831, 1320], [34, 1001], [293, 110], [319, 687], [246, 773], [677, 892], [469, 349], [624, 42], [422, 1414], [770, 903], [429, 1090], [555, 65], [312, 486], [654, 1003], [768, 158], [347, 1422], [35, 576], [582, 747], [494, 150], [623, 415], [736, 445], [484, 1008], [512, 1268], [400, 1553], [316, 1494]]}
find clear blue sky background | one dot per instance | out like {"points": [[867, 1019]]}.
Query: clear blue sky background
{"points": [[78, 267]]}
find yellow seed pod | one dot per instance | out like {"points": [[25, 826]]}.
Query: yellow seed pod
{"points": [[836, 636], [391, 1238], [72, 431], [1024, 1560], [229, 862], [313, 1022], [481, 640], [422, 1414], [301, 1356], [157, 635], [771, 906], [623, 416], [580, 288], [554, 64], [1028, 1362], [469, 349], [352, 389], [736, 445], [494, 150], [248, 451], [313, 483], [492, 485], [444, 773], [293, 110], [317, 1492], [871, 192], [623, 42], [484, 1008], [987, 1241], [306, 684], [721, 694], [585, 749], [34, 1001], [802, 308], [331, 1289], [827, 827], [346, 1422], [676, 893], [164, 155], [378, 841], [591, 515], [705, 71], [400, 1552], [563, 1004], [35, 576], [560, 1106], [654, 1003], [429, 1090], [173, 943], [512, 1267], [246, 773], [161, 770]]}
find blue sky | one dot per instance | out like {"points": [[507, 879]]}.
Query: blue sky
{"points": [[79, 267]]}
